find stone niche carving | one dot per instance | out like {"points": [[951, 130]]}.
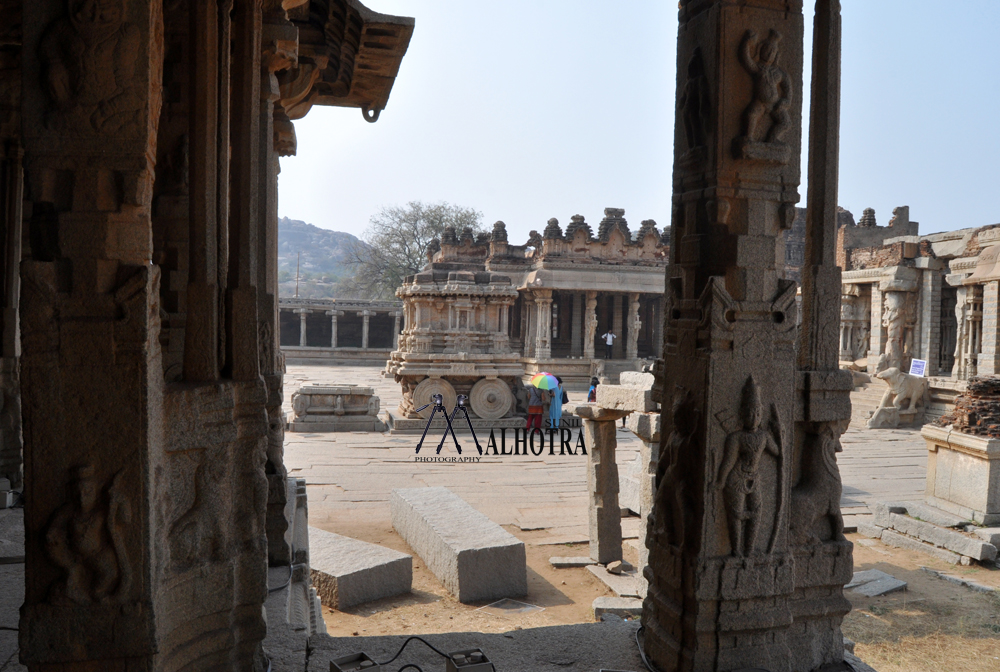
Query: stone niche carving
{"points": [[340, 408], [739, 474], [85, 538], [455, 342], [88, 60]]}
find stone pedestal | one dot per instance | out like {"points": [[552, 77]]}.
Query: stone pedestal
{"points": [[342, 408], [963, 474]]}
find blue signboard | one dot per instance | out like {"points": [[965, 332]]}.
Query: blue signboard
{"points": [[918, 367]]}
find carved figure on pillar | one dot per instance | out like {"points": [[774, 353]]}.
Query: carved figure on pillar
{"points": [[767, 118], [738, 475], [85, 539], [88, 58], [673, 504], [591, 324], [816, 498], [893, 319]]}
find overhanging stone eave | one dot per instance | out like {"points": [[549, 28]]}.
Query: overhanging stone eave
{"points": [[384, 40]]}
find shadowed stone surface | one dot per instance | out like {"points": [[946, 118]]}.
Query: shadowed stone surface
{"points": [[471, 555], [348, 571], [619, 606]]}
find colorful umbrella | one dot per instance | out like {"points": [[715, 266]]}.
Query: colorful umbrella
{"points": [[544, 381]]}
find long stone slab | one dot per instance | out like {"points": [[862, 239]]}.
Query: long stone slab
{"points": [[347, 572], [472, 556], [945, 538], [626, 584], [902, 541], [622, 398]]}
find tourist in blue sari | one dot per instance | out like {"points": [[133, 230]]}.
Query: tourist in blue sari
{"points": [[559, 397]]}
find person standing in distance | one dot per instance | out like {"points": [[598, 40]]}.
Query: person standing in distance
{"points": [[609, 340]]}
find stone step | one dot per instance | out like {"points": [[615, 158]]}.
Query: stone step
{"points": [[347, 572], [626, 607], [471, 555], [874, 582], [977, 549], [570, 562], [626, 584]]}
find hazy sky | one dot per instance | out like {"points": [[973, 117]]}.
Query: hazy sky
{"points": [[531, 109]]}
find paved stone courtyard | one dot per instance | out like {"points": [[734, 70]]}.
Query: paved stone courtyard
{"points": [[350, 475]]}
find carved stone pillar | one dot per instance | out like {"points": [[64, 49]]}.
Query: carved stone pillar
{"points": [[334, 314], [989, 353], [877, 331], [724, 562], [530, 322], [617, 322], [634, 325], [600, 435], [91, 370], [365, 316], [576, 329], [395, 329], [11, 184], [959, 367], [590, 326], [657, 327], [543, 329], [302, 313]]}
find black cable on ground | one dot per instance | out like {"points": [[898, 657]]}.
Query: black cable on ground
{"points": [[642, 654], [285, 584], [432, 647], [409, 665]]}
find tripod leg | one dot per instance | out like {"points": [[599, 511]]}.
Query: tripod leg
{"points": [[473, 430], [426, 427], [445, 435]]}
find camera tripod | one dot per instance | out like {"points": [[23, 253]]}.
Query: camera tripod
{"points": [[461, 405], [439, 406]]}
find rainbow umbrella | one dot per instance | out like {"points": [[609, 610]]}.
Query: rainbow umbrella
{"points": [[544, 381]]}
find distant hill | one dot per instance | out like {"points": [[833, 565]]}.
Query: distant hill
{"points": [[322, 261]]}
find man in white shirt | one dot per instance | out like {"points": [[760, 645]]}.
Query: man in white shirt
{"points": [[609, 340]]}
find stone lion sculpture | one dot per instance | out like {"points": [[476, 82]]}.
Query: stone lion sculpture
{"points": [[906, 393]]}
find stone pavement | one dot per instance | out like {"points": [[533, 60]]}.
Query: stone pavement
{"points": [[350, 475]]}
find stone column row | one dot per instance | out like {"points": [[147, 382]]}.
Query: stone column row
{"points": [[334, 314]]}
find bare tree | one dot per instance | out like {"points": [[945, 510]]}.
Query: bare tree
{"points": [[395, 245]]}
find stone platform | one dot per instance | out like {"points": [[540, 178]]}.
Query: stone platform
{"points": [[335, 408]]}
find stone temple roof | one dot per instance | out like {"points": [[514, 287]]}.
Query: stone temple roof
{"points": [[349, 56]]}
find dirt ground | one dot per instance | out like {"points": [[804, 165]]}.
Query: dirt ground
{"points": [[564, 594], [933, 625]]}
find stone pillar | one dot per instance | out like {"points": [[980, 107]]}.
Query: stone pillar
{"points": [[543, 324], [658, 327], [600, 434], [617, 323], [577, 328], [723, 555], [365, 316], [930, 320], [530, 322], [961, 335], [823, 558], [877, 330], [989, 336], [590, 326], [302, 313], [11, 185], [395, 327], [91, 369], [634, 325], [334, 314]]}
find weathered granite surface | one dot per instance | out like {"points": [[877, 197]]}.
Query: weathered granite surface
{"points": [[347, 572], [471, 555]]}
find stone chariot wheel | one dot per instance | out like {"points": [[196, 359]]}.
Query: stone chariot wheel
{"points": [[429, 387], [490, 399]]}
